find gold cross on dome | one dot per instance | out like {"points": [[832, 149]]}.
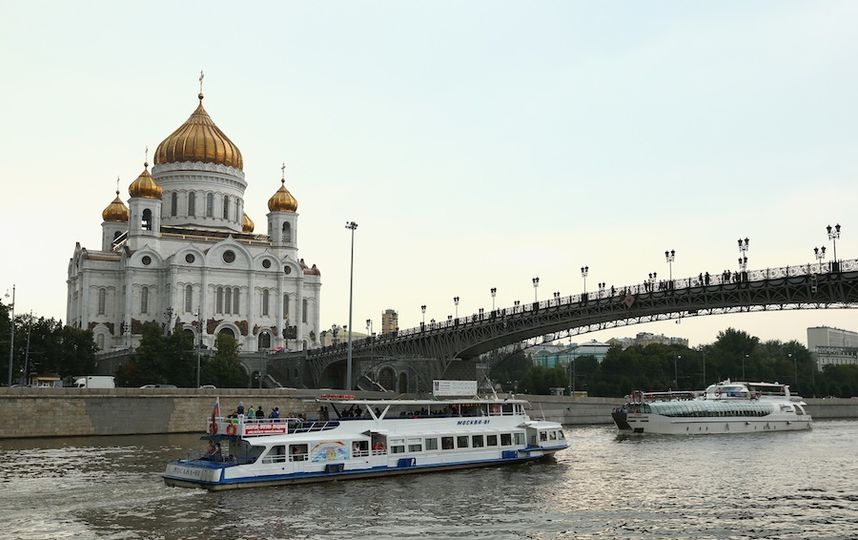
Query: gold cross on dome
{"points": [[201, 81], [283, 171]]}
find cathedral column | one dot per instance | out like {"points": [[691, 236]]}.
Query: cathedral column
{"points": [[173, 296], [202, 304], [128, 306], [251, 304], [278, 317], [299, 310], [85, 311]]}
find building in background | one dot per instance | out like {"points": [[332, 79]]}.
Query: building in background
{"points": [[832, 346], [551, 356], [184, 255], [389, 321], [647, 338]]}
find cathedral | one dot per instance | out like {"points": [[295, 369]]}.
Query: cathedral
{"points": [[183, 253]]}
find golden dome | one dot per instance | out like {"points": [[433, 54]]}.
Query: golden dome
{"points": [[145, 186], [199, 139], [247, 224], [282, 200], [115, 211]]}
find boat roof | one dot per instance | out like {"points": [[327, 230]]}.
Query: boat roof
{"points": [[385, 402]]}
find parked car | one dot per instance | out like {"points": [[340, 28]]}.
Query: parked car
{"points": [[208, 386], [159, 386]]}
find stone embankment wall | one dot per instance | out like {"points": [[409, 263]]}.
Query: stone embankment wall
{"points": [[64, 412]]}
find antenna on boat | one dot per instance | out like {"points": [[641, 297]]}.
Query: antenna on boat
{"points": [[494, 393]]}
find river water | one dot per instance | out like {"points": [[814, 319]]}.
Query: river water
{"points": [[767, 485]]}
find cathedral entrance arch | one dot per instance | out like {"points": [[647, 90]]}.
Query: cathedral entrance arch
{"points": [[264, 341]]}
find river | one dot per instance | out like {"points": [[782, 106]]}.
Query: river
{"points": [[767, 485]]}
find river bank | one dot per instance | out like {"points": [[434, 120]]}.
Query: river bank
{"points": [[69, 412]]}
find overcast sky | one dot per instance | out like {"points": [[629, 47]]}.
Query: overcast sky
{"points": [[476, 144]]}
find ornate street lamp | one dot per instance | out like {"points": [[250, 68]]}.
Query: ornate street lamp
{"points": [[494, 291], [584, 271], [819, 253], [535, 286], [669, 256], [833, 235], [456, 303], [423, 311]]}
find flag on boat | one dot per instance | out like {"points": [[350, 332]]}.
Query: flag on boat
{"points": [[215, 414]]}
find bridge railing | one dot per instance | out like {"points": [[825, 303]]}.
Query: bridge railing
{"points": [[651, 285]]}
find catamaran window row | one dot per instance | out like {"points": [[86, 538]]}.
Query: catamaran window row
{"points": [[414, 445], [707, 409]]}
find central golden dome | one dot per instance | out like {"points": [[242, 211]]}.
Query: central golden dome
{"points": [[199, 139]]}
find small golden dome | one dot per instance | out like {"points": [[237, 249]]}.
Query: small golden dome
{"points": [[145, 186], [282, 200], [199, 139], [115, 211], [247, 224]]}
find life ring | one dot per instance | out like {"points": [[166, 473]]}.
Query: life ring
{"points": [[213, 428], [231, 429]]}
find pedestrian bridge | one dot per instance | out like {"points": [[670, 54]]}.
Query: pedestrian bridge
{"points": [[814, 286]]}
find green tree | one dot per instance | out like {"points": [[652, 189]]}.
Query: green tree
{"points": [[223, 368]]}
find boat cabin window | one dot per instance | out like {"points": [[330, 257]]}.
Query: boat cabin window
{"points": [[446, 443], [360, 448], [543, 435], [519, 438], [560, 435], [506, 439], [462, 441], [276, 454], [508, 409], [431, 444], [477, 441], [379, 442], [397, 446], [552, 435], [491, 440], [415, 445], [297, 452]]}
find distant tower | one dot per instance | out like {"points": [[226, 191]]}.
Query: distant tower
{"points": [[389, 321], [145, 209], [283, 219], [115, 222]]}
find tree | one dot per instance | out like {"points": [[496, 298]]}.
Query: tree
{"points": [[223, 368]]}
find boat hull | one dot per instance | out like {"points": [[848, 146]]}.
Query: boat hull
{"points": [[642, 423], [215, 482]]}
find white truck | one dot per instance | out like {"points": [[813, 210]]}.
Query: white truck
{"points": [[95, 381]]}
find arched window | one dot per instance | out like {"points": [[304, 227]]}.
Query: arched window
{"points": [[174, 203], [285, 306], [226, 207], [147, 220], [235, 304], [227, 303], [304, 310], [219, 301], [264, 341], [228, 332], [287, 232], [210, 205], [99, 341], [192, 204], [265, 302], [102, 301], [189, 298], [144, 300]]}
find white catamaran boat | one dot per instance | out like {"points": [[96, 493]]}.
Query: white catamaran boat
{"points": [[726, 407], [368, 438]]}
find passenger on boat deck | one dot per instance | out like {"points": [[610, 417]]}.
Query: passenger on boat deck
{"points": [[357, 412], [275, 413], [260, 414], [377, 412], [218, 453], [210, 451], [240, 409], [378, 446], [251, 414]]}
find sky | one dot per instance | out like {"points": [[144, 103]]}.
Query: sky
{"points": [[476, 144]]}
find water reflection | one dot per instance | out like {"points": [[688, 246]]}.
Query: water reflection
{"points": [[785, 485]]}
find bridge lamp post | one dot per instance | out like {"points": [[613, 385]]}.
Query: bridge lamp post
{"points": [[669, 256], [746, 357], [535, 286], [794, 369], [351, 225], [11, 333], [368, 327], [819, 253], [423, 311], [584, 271], [675, 372], [456, 304], [494, 291], [743, 264], [199, 316], [833, 235], [743, 249]]}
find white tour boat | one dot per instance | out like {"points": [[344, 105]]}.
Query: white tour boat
{"points": [[726, 407], [368, 438]]}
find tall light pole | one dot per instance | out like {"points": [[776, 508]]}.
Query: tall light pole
{"points": [[833, 235], [743, 259], [199, 315], [494, 291], [456, 303], [669, 256], [557, 297], [584, 271], [795, 369], [11, 333], [351, 225], [535, 286], [675, 372], [819, 253], [368, 327], [746, 357], [423, 311]]}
